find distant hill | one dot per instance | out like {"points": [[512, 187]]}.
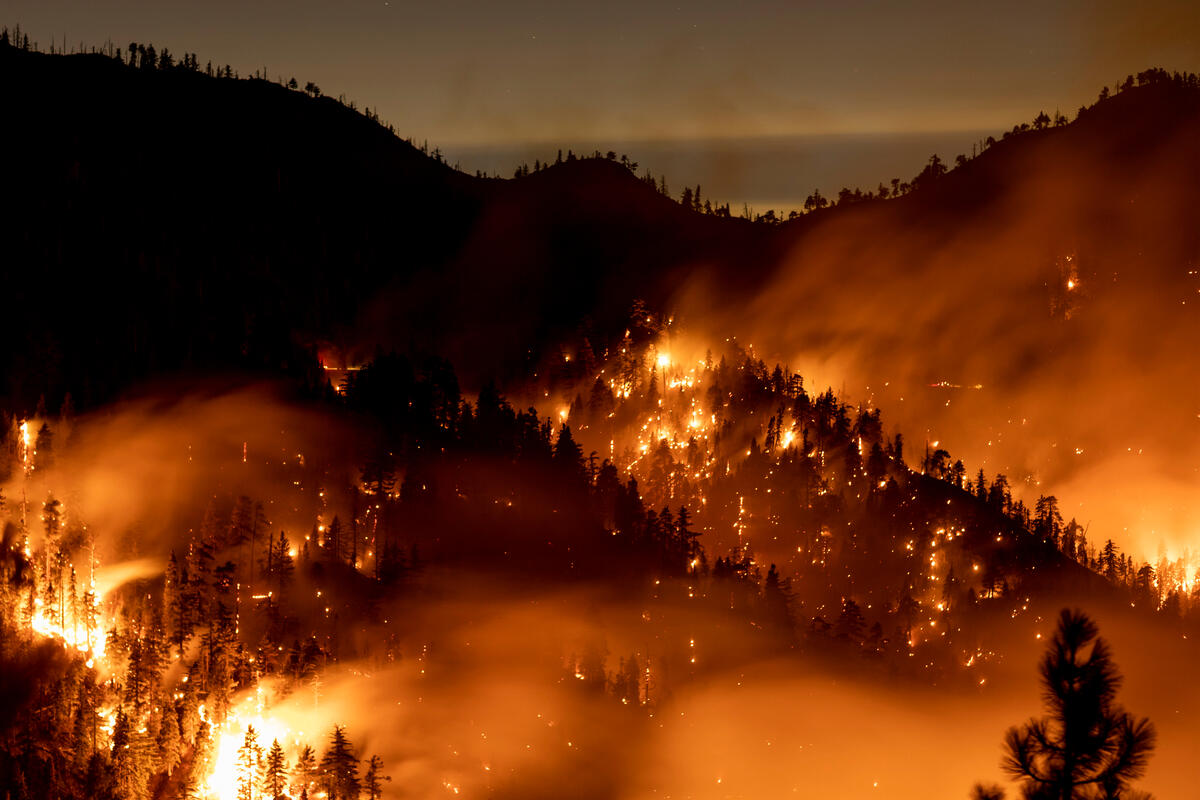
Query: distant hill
{"points": [[161, 220], [1058, 272]]}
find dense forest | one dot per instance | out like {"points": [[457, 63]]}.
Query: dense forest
{"points": [[733, 490], [691, 508]]}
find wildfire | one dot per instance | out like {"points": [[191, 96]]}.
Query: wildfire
{"points": [[76, 633], [27, 443], [225, 780]]}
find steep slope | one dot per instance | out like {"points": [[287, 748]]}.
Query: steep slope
{"points": [[1035, 309], [576, 243], [161, 220], [167, 219]]}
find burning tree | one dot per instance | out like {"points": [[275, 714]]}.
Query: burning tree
{"points": [[304, 773], [1088, 747], [249, 766]]}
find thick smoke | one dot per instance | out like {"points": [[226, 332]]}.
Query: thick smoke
{"points": [[137, 476], [1035, 313], [472, 684], [480, 701]]}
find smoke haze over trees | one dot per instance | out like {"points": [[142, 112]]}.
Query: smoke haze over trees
{"points": [[330, 468]]}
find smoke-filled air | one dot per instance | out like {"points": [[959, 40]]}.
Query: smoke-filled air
{"points": [[331, 471]]}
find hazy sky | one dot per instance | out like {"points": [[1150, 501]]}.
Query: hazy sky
{"points": [[480, 71]]}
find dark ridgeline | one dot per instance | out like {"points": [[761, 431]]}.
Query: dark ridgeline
{"points": [[163, 220], [157, 219]]}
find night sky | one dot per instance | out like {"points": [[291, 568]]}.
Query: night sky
{"points": [[471, 72]]}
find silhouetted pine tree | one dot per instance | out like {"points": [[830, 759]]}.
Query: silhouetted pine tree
{"points": [[339, 767], [1087, 747]]}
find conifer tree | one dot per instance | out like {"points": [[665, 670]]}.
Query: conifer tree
{"points": [[339, 767], [305, 772], [178, 615], [1087, 747], [374, 779], [333, 540], [850, 623], [130, 759], [138, 676], [249, 766], [275, 772], [169, 742]]}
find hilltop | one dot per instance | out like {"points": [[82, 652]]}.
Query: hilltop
{"points": [[246, 222], [160, 220]]}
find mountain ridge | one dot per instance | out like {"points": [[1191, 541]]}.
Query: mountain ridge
{"points": [[246, 165]]}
